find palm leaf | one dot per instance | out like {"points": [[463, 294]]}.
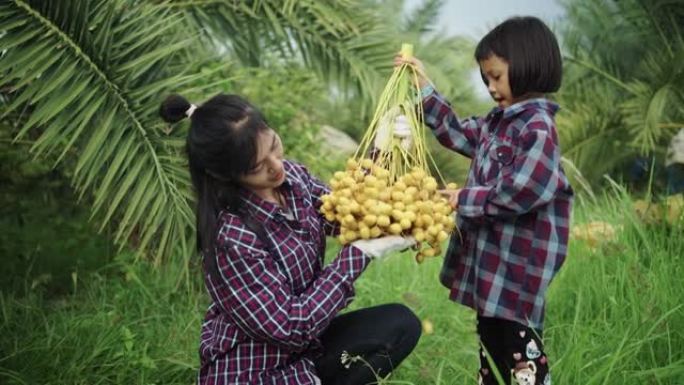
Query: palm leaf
{"points": [[96, 93], [346, 44]]}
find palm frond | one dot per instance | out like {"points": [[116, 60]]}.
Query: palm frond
{"points": [[344, 43], [98, 91], [422, 19]]}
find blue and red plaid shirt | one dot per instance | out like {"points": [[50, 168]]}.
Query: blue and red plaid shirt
{"points": [[274, 297], [513, 213]]}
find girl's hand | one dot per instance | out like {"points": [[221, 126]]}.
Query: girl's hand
{"points": [[417, 64], [451, 196]]}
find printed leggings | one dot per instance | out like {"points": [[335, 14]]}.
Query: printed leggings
{"points": [[515, 349], [382, 336]]}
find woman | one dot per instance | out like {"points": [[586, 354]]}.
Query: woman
{"points": [[273, 317]]}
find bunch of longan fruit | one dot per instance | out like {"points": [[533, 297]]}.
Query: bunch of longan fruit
{"points": [[368, 204]]}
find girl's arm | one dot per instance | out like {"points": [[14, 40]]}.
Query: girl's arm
{"points": [[535, 179], [258, 297], [461, 136]]}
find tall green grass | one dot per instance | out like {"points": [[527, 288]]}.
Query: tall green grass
{"points": [[615, 315]]}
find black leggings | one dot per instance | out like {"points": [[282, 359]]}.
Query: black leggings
{"points": [[382, 336], [516, 350]]}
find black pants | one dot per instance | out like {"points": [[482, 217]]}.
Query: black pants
{"points": [[382, 336], [515, 349]]}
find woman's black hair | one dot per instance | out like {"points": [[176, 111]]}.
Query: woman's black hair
{"points": [[531, 51], [221, 146]]}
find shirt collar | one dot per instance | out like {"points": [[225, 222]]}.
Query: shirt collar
{"points": [[527, 104]]}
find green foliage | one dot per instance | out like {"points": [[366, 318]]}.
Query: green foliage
{"points": [[622, 94], [131, 324], [45, 237], [344, 42], [89, 79], [614, 317], [83, 80]]}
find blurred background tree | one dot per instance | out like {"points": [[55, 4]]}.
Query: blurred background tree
{"points": [[623, 86]]}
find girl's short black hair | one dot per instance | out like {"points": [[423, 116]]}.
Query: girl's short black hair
{"points": [[531, 51]]}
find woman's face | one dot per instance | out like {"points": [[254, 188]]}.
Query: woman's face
{"points": [[268, 171]]}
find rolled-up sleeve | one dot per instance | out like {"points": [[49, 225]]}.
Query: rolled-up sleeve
{"points": [[260, 301]]}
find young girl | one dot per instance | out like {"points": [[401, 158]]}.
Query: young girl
{"points": [[514, 211], [273, 317]]}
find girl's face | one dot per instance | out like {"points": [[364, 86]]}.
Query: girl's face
{"points": [[268, 171], [495, 71]]}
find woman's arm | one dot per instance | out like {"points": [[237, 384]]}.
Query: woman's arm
{"points": [[258, 298]]}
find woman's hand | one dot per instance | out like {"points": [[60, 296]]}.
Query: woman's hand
{"points": [[452, 196], [380, 247], [417, 64]]}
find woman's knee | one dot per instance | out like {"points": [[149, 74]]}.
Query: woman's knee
{"points": [[406, 324]]}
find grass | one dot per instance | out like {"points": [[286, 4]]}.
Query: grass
{"points": [[614, 316]]}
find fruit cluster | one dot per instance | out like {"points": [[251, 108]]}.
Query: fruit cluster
{"points": [[368, 205]]}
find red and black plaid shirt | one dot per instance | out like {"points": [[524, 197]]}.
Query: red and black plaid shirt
{"points": [[514, 211], [274, 297]]}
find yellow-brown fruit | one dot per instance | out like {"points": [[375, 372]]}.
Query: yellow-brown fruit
{"points": [[397, 215], [343, 209], [370, 219], [383, 220], [367, 164], [430, 185], [395, 228]]}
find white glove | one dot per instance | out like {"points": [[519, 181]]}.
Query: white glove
{"points": [[379, 247], [401, 129]]}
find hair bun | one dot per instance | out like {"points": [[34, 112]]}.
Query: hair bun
{"points": [[174, 108]]}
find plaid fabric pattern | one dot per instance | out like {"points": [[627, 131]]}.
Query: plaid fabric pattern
{"points": [[514, 211], [274, 298]]}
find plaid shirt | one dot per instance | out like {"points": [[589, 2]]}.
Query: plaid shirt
{"points": [[274, 298], [514, 211]]}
